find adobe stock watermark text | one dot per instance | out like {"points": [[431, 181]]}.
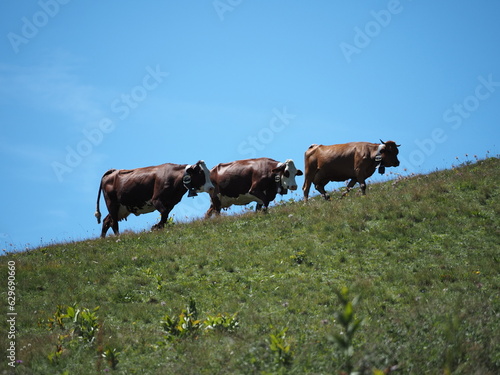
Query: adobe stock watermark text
{"points": [[31, 26], [253, 144], [122, 106], [221, 7], [11, 313], [363, 36], [454, 117]]}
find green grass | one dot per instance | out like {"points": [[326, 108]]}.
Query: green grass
{"points": [[421, 252]]}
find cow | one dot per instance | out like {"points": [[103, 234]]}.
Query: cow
{"points": [[356, 161], [142, 190], [251, 180]]}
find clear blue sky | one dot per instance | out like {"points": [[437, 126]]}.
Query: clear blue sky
{"points": [[90, 85]]}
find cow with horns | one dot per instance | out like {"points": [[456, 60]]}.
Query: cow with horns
{"points": [[142, 190], [356, 161]]}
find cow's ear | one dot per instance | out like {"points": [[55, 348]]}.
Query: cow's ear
{"points": [[189, 169], [279, 168], [299, 173]]}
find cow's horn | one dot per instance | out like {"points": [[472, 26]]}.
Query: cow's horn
{"points": [[382, 142]]}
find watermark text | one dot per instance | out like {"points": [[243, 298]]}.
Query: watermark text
{"points": [[121, 107], [31, 26], [253, 144], [11, 313], [363, 36], [223, 6], [454, 117]]}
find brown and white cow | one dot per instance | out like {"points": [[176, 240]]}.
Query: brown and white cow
{"points": [[142, 190], [356, 161], [251, 180]]}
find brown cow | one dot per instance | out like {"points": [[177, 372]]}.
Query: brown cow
{"points": [[250, 180], [142, 190], [356, 161]]}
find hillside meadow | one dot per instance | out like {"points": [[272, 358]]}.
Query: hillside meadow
{"points": [[405, 280]]}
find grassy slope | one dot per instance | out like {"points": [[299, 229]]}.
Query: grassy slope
{"points": [[422, 252]]}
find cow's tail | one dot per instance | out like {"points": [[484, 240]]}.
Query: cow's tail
{"points": [[97, 213], [309, 159], [310, 166]]}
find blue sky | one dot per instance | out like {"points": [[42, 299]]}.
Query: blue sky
{"points": [[88, 86]]}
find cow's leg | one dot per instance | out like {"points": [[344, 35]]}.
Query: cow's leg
{"points": [[210, 212], [263, 197], [161, 223], [164, 212], [215, 207], [320, 181], [111, 220], [306, 188], [321, 189], [362, 185], [106, 224], [114, 226], [350, 185]]}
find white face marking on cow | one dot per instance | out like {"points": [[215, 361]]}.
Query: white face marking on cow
{"points": [[290, 170], [241, 200], [208, 183]]}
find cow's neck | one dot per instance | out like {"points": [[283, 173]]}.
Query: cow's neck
{"points": [[378, 159], [279, 189]]}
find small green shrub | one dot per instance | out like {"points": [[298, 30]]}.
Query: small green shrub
{"points": [[281, 347], [349, 324], [111, 356], [221, 322], [300, 257], [79, 326], [187, 323], [81, 322]]}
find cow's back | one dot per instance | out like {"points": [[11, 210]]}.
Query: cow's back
{"points": [[237, 177], [125, 182], [336, 162]]}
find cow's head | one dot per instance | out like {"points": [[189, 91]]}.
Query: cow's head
{"points": [[197, 179], [286, 173], [389, 152]]}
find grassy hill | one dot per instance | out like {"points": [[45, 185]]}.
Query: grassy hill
{"points": [[406, 279]]}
